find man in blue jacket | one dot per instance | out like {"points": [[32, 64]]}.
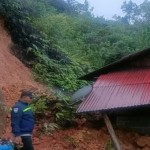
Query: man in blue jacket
{"points": [[22, 121]]}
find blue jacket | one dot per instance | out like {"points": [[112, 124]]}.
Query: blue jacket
{"points": [[22, 119]]}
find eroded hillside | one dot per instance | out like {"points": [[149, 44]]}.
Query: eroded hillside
{"points": [[15, 76]]}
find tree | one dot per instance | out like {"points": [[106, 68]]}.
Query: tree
{"points": [[129, 9]]}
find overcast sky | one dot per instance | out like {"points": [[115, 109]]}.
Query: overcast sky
{"points": [[108, 8]]}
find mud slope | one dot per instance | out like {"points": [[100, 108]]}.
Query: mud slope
{"points": [[14, 76]]}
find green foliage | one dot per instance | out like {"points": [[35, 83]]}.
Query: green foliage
{"points": [[71, 6], [64, 111], [109, 145], [49, 128], [40, 105], [52, 111]]}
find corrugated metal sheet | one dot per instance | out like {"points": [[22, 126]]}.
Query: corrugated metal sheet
{"points": [[122, 89]]}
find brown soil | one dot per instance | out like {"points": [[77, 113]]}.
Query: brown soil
{"points": [[14, 77]]}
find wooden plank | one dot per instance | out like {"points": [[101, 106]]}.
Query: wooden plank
{"points": [[112, 132]]}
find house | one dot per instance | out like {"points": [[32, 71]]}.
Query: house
{"points": [[122, 89]]}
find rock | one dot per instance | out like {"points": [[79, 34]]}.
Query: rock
{"points": [[143, 142], [36, 141], [128, 147], [146, 148]]}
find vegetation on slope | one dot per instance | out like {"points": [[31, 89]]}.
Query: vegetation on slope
{"points": [[62, 40]]}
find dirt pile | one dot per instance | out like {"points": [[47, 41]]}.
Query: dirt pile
{"points": [[14, 76], [73, 139], [87, 138], [143, 142]]}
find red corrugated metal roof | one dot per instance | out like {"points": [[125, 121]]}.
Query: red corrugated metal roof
{"points": [[120, 89]]}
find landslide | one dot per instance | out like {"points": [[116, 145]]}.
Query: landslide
{"points": [[15, 76]]}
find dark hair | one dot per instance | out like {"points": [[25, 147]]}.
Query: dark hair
{"points": [[26, 93]]}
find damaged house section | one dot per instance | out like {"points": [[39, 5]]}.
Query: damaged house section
{"points": [[122, 90]]}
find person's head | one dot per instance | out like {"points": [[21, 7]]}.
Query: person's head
{"points": [[26, 96]]}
